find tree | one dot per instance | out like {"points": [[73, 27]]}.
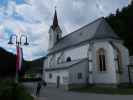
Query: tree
{"points": [[122, 23]]}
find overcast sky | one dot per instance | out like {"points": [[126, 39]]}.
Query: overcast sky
{"points": [[34, 17]]}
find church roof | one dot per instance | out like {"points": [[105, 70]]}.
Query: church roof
{"points": [[98, 29]]}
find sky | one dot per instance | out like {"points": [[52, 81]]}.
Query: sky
{"points": [[34, 17]]}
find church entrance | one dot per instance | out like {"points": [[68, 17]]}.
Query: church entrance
{"points": [[58, 81]]}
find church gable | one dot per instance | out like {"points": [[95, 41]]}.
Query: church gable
{"points": [[105, 31]]}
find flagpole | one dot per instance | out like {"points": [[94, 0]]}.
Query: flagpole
{"points": [[19, 54], [16, 77], [17, 65]]}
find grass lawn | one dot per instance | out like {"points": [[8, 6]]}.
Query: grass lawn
{"points": [[12, 91], [125, 90]]}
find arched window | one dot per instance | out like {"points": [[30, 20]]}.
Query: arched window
{"points": [[119, 60], [80, 76], [57, 37], [50, 75], [101, 57], [68, 59]]}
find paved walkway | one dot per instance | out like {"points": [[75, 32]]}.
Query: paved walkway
{"points": [[49, 93]]}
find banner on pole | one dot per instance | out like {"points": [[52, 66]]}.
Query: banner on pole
{"points": [[19, 58]]}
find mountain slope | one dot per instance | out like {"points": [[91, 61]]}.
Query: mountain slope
{"points": [[7, 63]]}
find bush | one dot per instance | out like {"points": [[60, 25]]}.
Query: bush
{"points": [[9, 90]]}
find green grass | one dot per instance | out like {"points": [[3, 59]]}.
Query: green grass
{"points": [[9, 90], [120, 90]]}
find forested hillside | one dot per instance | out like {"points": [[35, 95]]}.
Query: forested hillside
{"points": [[122, 23]]}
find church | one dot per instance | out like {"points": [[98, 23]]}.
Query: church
{"points": [[93, 54]]}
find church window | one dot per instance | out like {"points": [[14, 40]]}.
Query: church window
{"points": [[50, 75], [79, 76], [68, 59], [101, 60], [57, 37], [119, 60]]}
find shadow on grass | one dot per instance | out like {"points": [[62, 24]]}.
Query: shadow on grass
{"points": [[119, 90]]}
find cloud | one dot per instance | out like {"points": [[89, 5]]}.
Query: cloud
{"points": [[130, 1], [34, 17], [17, 19]]}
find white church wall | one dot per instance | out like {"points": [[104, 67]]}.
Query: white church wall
{"points": [[75, 70], [51, 38], [109, 76], [90, 65], [59, 57], [76, 53], [44, 64], [50, 62], [125, 62], [79, 52], [63, 74]]}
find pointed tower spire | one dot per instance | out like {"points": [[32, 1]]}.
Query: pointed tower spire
{"points": [[55, 21], [55, 32]]}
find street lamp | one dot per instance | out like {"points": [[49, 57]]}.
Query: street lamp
{"points": [[18, 43]]}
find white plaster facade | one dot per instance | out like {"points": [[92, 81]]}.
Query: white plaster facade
{"points": [[90, 71]]}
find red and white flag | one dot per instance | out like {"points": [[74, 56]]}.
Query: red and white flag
{"points": [[19, 58]]}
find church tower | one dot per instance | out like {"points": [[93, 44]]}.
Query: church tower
{"points": [[55, 32]]}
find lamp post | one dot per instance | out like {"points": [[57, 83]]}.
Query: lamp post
{"points": [[18, 43]]}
